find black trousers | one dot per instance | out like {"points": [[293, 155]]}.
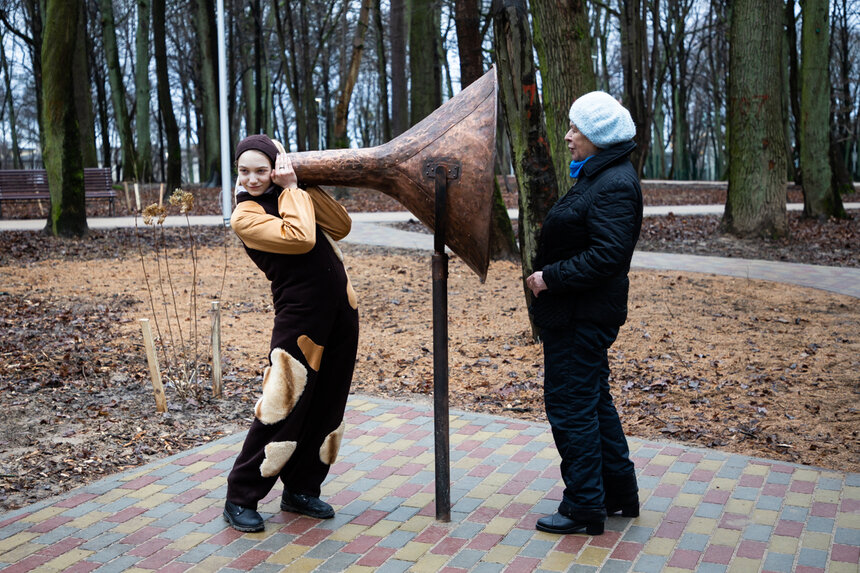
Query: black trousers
{"points": [[584, 421], [315, 415]]}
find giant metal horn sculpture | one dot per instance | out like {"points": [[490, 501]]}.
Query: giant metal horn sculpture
{"points": [[460, 135]]}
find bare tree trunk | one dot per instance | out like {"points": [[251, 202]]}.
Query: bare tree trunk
{"points": [[83, 95], [62, 151], [399, 95], [142, 91], [635, 66], [382, 76], [424, 65], [209, 137], [561, 34], [467, 17], [13, 129], [521, 108], [165, 103], [820, 199], [793, 90], [755, 203], [340, 138], [117, 88]]}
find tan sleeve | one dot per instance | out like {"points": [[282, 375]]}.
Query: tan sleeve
{"points": [[294, 233], [330, 214]]}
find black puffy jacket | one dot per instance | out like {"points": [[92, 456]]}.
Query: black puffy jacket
{"points": [[586, 244]]}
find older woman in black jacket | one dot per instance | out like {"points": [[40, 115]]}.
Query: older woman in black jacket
{"points": [[581, 286]]}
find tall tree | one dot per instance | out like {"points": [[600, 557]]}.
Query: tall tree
{"points": [[523, 113], [117, 88], [83, 96], [62, 150], [165, 102], [563, 42], [467, 17], [755, 203], [10, 103], [208, 130], [348, 79], [820, 198], [399, 95], [142, 91], [634, 62], [381, 74], [425, 68], [34, 15]]}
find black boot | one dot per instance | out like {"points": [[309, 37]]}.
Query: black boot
{"points": [[622, 494], [243, 518], [307, 505], [588, 522]]}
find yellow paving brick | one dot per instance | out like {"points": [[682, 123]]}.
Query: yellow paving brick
{"points": [[783, 544], [196, 467], [351, 476], [826, 496], [815, 540], [805, 475], [724, 484], [709, 465], [482, 491], [501, 554], [87, 519], [412, 551], [288, 554], [547, 454], [14, 541], [702, 525], [188, 541], [507, 433], [674, 478], [726, 537], [850, 492], [361, 405], [151, 501], [108, 496], [530, 496], [687, 500], [430, 563], [756, 470], [663, 460], [544, 536], [202, 503], [417, 523], [20, 551], [765, 516], [841, 567], [558, 561], [500, 525], [375, 447], [659, 546], [45, 514], [362, 440], [744, 565], [466, 463], [419, 499], [741, 506], [458, 422], [213, 483], [374, 494], [849, 520], [383, 528], [497, 479], [305, 565], [393, 482], [133, 524], [359, 569], [507, 450], [649, 518], [498, 500], [146, 491], [592, 556], [799, 499], [347, 532], [674, 570], [66, 560]]}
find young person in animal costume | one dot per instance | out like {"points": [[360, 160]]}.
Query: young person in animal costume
{"points": [[290, 235]]}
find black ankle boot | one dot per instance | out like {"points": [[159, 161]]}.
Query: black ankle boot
{"points": [[590, 523], [307, 505], [243, 518], [622, 494]]}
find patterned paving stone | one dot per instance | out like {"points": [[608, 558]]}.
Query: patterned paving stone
{"points": [[701, 510]]}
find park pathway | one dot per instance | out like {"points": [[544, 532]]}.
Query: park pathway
{"points": [[702, 510]]}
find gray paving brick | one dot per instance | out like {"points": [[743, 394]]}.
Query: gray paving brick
{"points": [[356, 507], [275, 542], [339, 520], [649, 563], [695, 487], [730, 472], [337, 562], [780, 562], [757, 532], [769, 502], [174, 478], [403, 513], [82, 509], [14, 528], [181, 486], [539, 464], [487, 567], [655, 503], [812, 557], [397, 539], [711, 568], [537, 548], [238, 547], [852, 480], [326, 549], [794, 513], [101, 541], [518, 537], [180, 530], [468, 504], [110, 552], [694, 541], [162, 509], [847, 536], [467, 530], [779, 478], [820, 524], [218, 493], [118, 505], [747, 493], [118, 565], [388, 503], [648, 482], [198, 553], [164, 471], [682, 467], [829, 484], [616, 566], [466, 559], [268, 568], [56, 534], [395, 566]]}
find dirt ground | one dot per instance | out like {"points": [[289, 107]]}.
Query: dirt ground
{"points": [[738, 365]]}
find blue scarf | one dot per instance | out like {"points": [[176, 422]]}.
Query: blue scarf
{"points": [[575, 166]]}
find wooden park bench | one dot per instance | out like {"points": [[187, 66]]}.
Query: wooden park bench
{"points": [[32, 185]]}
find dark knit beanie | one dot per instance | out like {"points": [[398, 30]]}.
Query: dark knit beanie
{"points": [[259, 142]]}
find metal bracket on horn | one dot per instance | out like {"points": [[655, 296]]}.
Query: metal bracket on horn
{"points": [[451, 165]]}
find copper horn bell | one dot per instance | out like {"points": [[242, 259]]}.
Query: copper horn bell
{"points": [[459, 135]]}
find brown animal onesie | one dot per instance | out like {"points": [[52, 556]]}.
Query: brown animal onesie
{"points": [[290, 234]]}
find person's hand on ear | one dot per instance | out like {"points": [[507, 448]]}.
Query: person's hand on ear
{"points": [[284, 175]]}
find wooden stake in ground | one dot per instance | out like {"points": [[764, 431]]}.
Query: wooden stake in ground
{"points": [[216, 349], [152, 359]]}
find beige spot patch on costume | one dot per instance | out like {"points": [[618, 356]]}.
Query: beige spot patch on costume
{"points": [[350, 294], [277, 456], [283, 384], [334, 246], [331, 445], [312, 351]]}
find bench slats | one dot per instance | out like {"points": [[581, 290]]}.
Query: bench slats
{"points": [[32, 185]]}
